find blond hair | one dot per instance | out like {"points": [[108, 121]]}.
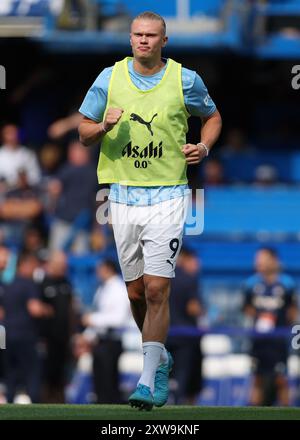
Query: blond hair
{"points": [[152, 16]]}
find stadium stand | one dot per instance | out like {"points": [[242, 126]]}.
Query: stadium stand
{"points": [[214, 25], [280, 22]]}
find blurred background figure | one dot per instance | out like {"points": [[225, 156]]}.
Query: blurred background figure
{"points": [[20, 306], [63, 126], [112, 313], [21, 208], [57, 293], [8, 263], [185, 310], [265, 175], [73, 192], [34, 242], [4, 258], [80, 388], [50, 156], [98, 240], [236, 144], [15, 157], [270, 303], [213, 173]]}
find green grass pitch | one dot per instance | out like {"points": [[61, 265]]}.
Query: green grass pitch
{"points": [[124, 412]]}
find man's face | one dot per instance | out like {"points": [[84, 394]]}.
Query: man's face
{"points": [[78, 155], [28, 266], [103, 272], [57, 264], [266, 263], [10, 135], [147, 38]]}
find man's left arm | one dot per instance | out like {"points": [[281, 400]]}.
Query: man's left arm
{"points": [[210, 132]]}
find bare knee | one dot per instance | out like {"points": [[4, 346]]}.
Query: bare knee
{"points": [[156, 289], [136, 290]]}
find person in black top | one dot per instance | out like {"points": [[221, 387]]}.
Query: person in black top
{"points": [[72, 193], [4, 259], [20, 305], [57, 292], [270, 303], [185, 308]]}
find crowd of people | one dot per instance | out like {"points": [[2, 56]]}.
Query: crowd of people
{"points": [[42, 200], [45, 214], [57, 351]]}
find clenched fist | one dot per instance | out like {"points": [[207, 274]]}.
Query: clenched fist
{"points": [[193, 153], [112, 117]]}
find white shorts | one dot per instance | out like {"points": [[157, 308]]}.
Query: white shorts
{"points": [[149, 238]]}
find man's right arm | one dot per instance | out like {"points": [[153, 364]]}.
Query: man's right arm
{"points": [[93, 108], [91, 132]]}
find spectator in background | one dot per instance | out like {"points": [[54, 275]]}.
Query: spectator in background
{"points": [[59, 128], [77, 14], [15, 157], [20, 305], [50, 157], [213, 173], [4, 259], [80, 388], [185, 309], [20, 207], [112, 313], [98, 241], [270, 302], [34, 242], [8, 263], [74, 194], [265, 175], [236, 144], [56, 291]]}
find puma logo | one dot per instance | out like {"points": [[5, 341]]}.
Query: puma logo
{"points": [[135, 117], [170, 262]]}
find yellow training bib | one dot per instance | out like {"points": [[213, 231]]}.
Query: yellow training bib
{"points": [[144, 147]]}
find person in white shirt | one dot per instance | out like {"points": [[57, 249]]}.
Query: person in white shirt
{"points": [[15, 158], [112, 314]]}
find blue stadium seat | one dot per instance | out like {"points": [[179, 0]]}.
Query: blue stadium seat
{"points": [[168, 7], [241, 167], [211, 8], [280, 7], [21, 8], [82, 273], [83, 277], [240, 210], [109, 8]]}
